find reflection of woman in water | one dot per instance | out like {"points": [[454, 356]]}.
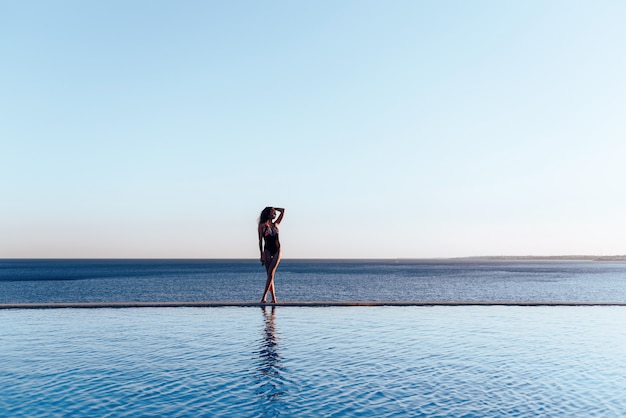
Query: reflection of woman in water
{"points": [[269, 351], [269, 246], [271, 383]]}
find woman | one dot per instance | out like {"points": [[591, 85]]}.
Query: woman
{"points": [[269, 245]]}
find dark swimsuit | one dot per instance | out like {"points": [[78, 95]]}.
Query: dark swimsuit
{"points": [[272, 245]]}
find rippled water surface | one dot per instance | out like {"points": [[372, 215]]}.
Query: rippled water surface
{"points": [[377, 361]]}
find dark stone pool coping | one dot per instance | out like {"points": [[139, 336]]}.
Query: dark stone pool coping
{"points": [[56, 305]]}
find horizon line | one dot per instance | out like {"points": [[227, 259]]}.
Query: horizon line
{"points": [[475, 257]]}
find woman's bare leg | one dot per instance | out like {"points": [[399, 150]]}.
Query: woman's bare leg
{"points": [[273, 267], [268, 282], [271, 271]]}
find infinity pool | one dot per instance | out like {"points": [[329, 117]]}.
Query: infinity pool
{"points": [[294, 361]]}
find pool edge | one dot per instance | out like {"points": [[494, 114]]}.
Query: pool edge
{"points": [[86, 305]]}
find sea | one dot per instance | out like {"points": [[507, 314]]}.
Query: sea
{"points": [[331, 361], [42, 281]]}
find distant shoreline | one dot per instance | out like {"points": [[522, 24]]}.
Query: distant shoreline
{"points": [[548, 258]]}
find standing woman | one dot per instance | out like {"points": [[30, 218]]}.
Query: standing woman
{"points": [[269, 245]]}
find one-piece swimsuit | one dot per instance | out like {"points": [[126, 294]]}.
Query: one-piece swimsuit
{"points": [[272, 245]]}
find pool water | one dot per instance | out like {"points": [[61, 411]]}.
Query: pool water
{"points": [[297, 361]]}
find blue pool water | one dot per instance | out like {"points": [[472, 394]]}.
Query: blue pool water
{"points": [[341, 361]]}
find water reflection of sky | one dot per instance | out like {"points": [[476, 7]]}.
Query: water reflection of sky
{"points": [[375, 361]]}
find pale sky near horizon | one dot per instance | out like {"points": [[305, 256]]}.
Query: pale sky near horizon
{"points": [[387, 129]]}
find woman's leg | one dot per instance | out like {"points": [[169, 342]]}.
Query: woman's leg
{"points": [[268, 281], [271, 271], [273, 267]]}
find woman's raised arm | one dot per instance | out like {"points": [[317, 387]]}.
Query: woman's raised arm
{"points": [[280, 217]]}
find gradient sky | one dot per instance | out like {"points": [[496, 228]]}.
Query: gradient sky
{"points": [[385, 128]]}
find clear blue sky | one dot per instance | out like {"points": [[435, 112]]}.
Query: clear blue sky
{"points": [[386, 128]]}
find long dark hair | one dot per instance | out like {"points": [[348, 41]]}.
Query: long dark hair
{"points": [[265, 215]]}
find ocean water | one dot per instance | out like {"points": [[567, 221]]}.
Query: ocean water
{"points": [[463, 361], [287, 361], [24, 281]]}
